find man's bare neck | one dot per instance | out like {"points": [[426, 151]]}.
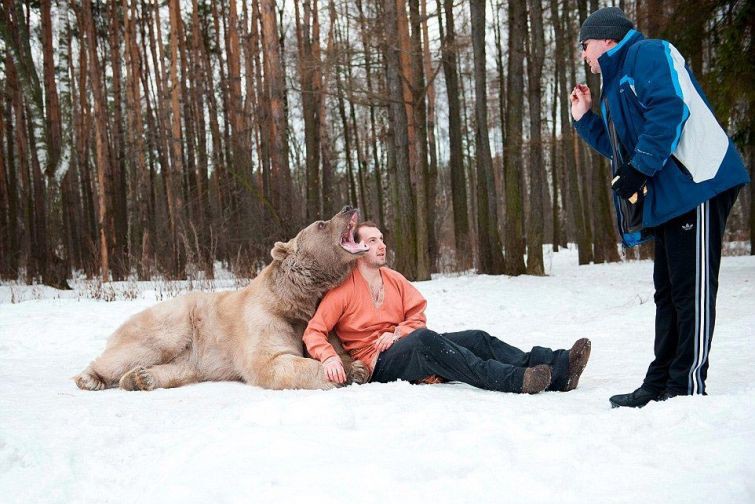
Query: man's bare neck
{"points": [[369, 272]]}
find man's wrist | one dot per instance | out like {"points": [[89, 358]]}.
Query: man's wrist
{"points": [[582, 116]]}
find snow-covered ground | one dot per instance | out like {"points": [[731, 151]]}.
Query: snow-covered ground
{"points": [[229, 442]]}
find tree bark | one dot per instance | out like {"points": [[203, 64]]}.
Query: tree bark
{"points": [[517, 15], [491, 256], [12, 258], [404, 214], [329, 203], [52, 102], [307, 68], [379, 203], [462, 239], [173, 182], [535, 59], [119, 255], [583, 245], [432, 173], [278, 127], [102, 145], [421, 169], [6, 272], [136, 140]]}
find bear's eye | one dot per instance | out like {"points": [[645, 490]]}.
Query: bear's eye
{"points": [[321, 225]]}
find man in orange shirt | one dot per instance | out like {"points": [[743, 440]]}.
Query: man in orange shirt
{"points": [[380, 319]]}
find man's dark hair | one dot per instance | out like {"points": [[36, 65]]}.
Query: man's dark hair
{"points": [[361, 225]]}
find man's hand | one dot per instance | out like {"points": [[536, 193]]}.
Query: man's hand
{"points": [[581, 101], [628, 182], [334, 369], [385, 341]]}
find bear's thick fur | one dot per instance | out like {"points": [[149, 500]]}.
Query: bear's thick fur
{"points": [[253, 335]]}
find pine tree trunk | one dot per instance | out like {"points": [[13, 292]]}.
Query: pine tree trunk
{"points": [[205, 87], [12, 179], [52, 103], [25, 185], [581, 173], [470, 163], [6, 273], [404, 214], [166, 254], [200, 200], [517, 17], [329, 203], [535, 59], [353, 199], [555, 162], [40, 253], [102, 146], [379, 203], [71, 197], [82, 128], [361, 161], [432, 173], [173, 182], [189, 180], [279, 129], [491, 256], [575, 200], [136, 142], [407, 80], [307, 68], [421, 169], [462, 239]]}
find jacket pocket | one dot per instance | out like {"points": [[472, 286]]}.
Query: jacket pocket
{"points": [[631, 214]]}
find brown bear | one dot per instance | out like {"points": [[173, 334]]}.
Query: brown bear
{"points": [[253, 335]]}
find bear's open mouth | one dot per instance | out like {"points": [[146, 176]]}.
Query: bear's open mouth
{"points": [[347, 237]]}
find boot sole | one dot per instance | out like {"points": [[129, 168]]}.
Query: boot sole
{"points": [[582, 355]]}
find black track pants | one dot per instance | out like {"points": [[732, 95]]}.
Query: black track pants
{"points": [[687, 260]]}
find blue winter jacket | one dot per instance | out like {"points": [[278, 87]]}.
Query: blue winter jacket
{"points": [[665, 123]]}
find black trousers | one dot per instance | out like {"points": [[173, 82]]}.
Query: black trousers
{"points": [[472, 357], [687, 260]]}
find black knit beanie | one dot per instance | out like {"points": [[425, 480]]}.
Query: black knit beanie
{"points": [[605, 23]]}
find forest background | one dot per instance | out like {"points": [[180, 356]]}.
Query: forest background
{"points": [[154, 139]]}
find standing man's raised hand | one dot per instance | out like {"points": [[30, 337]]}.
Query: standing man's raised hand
{"points": [[581, 101]]}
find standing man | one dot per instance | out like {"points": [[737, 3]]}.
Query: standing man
{"points": [[380, 319], [676, 176]]}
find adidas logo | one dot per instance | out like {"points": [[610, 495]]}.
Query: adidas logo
{"points": [[687, 227]]}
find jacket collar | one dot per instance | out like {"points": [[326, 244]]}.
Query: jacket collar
{"points": [[612, 60]]}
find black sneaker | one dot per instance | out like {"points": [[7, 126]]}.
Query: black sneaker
{"points": [[636, 399], [667, 395]]}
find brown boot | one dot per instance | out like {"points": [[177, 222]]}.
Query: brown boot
{"points": [[536, 379], [578, 356]]}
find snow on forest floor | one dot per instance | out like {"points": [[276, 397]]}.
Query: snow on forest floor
{"points": [[230, 442]]}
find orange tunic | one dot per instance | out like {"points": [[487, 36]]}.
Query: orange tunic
{"points": [[358, 322]]}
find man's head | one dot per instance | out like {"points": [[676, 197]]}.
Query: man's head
{"points": [[600, 32], [369, 234]]}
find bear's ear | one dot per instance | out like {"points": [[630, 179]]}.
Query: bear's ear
{"points": [[282, 250]]}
